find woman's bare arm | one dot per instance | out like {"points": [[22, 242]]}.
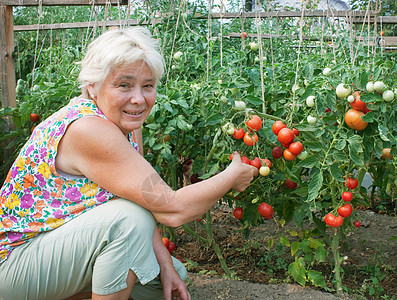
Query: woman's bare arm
{"points": [[97, 149]]}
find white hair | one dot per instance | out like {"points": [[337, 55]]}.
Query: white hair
{"points": [[117, 49]]}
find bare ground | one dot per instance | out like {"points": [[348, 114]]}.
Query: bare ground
{"points": [[370, 266]]}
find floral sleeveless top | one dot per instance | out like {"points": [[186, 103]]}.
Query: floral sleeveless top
{"points": [[36, 198]]}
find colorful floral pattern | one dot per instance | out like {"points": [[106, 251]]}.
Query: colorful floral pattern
{"points": [[34, 197]]}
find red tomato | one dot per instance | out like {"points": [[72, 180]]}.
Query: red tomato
{"points": [[357, 223], [357, 103], [291, 184], [288, 155], [296, 131], [34, 117], [333, 221], [238, 133], [171, 247], [285, 136], [256, 162], [347, 196], [267, 162], [296, 148], [265, 210], [245, 160], [244, 35], [277, 152], [166, 242], [277, 126], [345, 210], [238, 213], [249, 139], [351, 183], [255, 123]]}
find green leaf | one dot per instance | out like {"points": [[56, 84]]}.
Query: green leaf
{"points": [[314, 185], [316, 278], [309, 162], [383, 132], [297, 272], [340, 144], [336, 172], [314, 146], [284, 241], [321, 254], [295, 247]]}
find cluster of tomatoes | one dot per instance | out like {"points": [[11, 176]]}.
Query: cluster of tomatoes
{"points": [[287, 138], [264, 209], [346, 209], [169, 245], [250, 138]]}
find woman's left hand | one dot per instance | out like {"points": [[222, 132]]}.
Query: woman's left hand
{"points": [[173, 286]]}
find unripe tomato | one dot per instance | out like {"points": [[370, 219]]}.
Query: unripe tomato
{"points": [[291, 184], [250, 139], [238, 133], [288, 155], [277, 152], [265, 210], [388, 95], [333, 221], [347, 196], [310, 101], [277, 126], [303, 155], [379, 86], [238, 213], [256, 162], [285, 136], [239, 105], [370, 87], [311, 120], [244, 35], [296, 148], [342, 91], [264, 170], [345, 210], [254, 123]]}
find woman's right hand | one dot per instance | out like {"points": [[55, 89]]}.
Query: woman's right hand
{"points": [[242, 172]]}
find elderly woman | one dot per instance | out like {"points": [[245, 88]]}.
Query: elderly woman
{"points": [[80, 204]]}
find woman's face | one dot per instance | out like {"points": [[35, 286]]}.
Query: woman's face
{"points": [[127, 95]]}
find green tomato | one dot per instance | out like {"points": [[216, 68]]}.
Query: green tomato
{"points": [[264, 170], [388, 95], [310, 101], [311, 120], [239, 105], [343, 91]]}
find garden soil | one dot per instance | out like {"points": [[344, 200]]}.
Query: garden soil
{"points": [[260, 272]]}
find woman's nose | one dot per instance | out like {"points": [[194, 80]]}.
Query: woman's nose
{"points": [[137, 95]]}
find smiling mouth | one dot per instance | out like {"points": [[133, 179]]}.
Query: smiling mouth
{"points": [[133, 113]]}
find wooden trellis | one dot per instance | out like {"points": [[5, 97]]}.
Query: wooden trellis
{"points": [[7, 29]]}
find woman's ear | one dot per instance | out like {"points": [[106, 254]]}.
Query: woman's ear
{"points": [[91, 91]]}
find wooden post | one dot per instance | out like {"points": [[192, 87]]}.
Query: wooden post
{"points": [[8, 96]]}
